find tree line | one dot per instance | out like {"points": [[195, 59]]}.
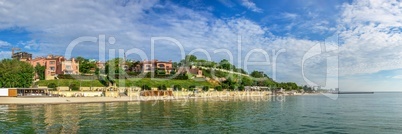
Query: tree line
{"points": [[14, 73]]}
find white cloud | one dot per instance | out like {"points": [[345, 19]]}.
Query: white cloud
{"points": [[227, 3], [251, 5], [4, 44], [32, 44], [372, 36], [289, 15], [368, 44], [5, 54], [397, 77], [132, 27]]}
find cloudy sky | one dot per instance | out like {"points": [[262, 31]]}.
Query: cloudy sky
{"points": [[354, 45]]}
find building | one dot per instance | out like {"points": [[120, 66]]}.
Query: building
{"points": [[197, 72], [21, 56], [151, 66], [100, 65], [15, 92], [55, 65]]}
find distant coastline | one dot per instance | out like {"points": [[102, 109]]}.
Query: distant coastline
{"points": [[353, 92]]}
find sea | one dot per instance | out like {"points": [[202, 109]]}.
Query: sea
{"points": [[344, 113]]}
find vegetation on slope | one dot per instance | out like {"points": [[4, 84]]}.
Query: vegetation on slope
{"points": [[14, 73], [159, 82], [68, 82]]}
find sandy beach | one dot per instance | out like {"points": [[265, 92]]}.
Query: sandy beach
{"points": [[136, 98]]}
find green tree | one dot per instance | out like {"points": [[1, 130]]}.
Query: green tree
{"points": [[40, 71], [225, 64], [257, 74], [246, 81], [191, 58], [85, 65], [224, 86], [14, 73], [132, 64], [172, 72], [232, 87], [288, 86], [240, 70], [113, 68], [97, 71], [175, 65], [230, 82]]}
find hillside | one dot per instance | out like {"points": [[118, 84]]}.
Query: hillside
{"points": [[222, 74]]}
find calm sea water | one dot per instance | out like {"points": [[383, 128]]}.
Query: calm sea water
{"points": [[375, 113]]}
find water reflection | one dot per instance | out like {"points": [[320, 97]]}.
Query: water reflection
{"points": [[168, 115], [295, 114]]}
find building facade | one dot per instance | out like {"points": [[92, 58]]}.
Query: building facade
{"points": [[151, 66], [55, 65], [197, 72], [21, 56]]}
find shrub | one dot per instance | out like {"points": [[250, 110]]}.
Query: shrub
{"points": [[177, 87], [65, 76], [218, 88], [80, 77], [241, 88], [133, 73], [52, 85], [172, 72], [163, 75], [191, 88], [162, 87], [74, 87], [232, 87], [224, 86], [205, 88], [145, 87]]}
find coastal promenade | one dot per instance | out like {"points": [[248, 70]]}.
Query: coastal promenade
{"points": [[135, 98]]}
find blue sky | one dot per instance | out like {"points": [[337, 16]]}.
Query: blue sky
{"points": [[290, 34]]}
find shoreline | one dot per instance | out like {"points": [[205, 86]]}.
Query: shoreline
{"points": [[83, 100]]}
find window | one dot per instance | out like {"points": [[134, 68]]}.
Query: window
{"points": [[68, 67], [52, 68], [52, 62]]}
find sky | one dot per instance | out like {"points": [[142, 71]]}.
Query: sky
{"points": [[353, 45]]}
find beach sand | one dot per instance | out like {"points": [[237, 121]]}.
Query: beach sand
{"points": [[134, 98]]}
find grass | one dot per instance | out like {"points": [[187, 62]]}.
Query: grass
{"points": [[129, 82], [168, 83], [67, 82]]}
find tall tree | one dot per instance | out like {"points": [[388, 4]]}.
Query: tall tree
{"points": [[14, 73], [257, 74], [191, 58], [225, 64], [113, 67], [85, 65], [246, 81], [40, 71]]}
